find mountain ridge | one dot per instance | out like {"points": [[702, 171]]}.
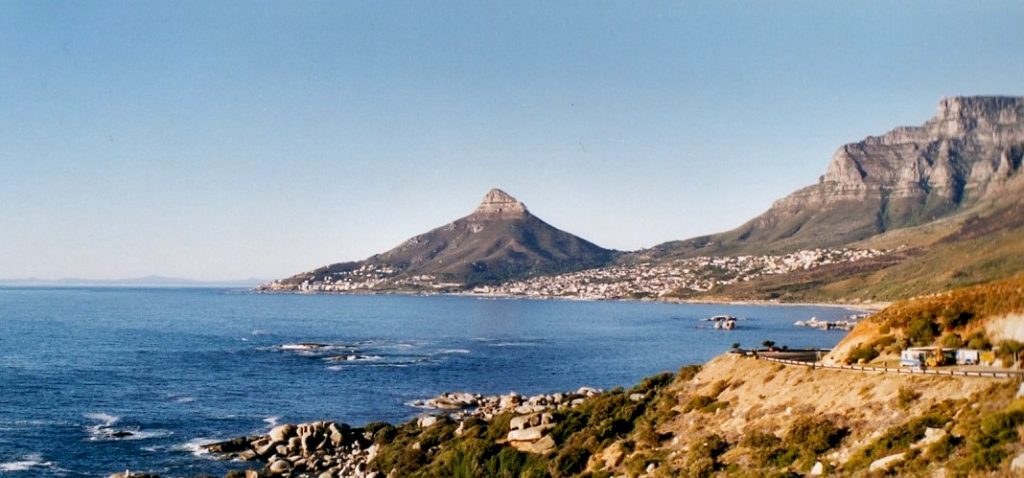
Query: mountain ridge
{"points": [[499, 241], [966, 156]]}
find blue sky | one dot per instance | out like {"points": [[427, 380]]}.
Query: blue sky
{"points": [[219, 140]]}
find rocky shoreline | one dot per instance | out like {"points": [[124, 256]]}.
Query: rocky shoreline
{"points": [[316, 449], [325, 449]]}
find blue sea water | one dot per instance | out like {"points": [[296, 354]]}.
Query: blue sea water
{"points": [[178, 367]]}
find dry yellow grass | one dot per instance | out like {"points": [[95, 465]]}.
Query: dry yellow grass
{"points": [[764, 396]]}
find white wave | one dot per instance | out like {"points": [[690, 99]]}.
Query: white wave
{"points": [[185, 399], [105, 431], [304, 346], [496, 342], [195, 446], [25, 463], [137, 434], [272, 421], [105, 419], [453, 351], [354, 358]]}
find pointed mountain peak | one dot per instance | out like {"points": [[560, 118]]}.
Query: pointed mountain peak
{"points": [[498, 203]]}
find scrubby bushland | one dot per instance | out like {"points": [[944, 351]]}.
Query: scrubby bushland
{"points": [[580, 433], [945, 319], [954, 310], [870, 351]]}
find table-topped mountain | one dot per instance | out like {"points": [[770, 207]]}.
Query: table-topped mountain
{"points": [[501, 240], [967, 157]]}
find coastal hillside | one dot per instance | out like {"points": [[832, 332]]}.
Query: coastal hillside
{"points": [[988, 317], [500, 241], [734, 416], [966, 158], [737, 415]]}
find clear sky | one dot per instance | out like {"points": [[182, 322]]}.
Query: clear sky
{"points": [[219, 140]]}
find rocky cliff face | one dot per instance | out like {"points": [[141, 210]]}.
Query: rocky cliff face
{"points": [[501, 240], [968, 155], [497, 204]]}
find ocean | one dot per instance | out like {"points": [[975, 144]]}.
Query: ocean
{"points": [[99, 380]]}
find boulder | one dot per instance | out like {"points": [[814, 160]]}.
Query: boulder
{"points": [[523, 421], [542, 446], [931, 435], [280, 467], [612, 456], [587, 391], [1018, 463], [281, 432], [229, 446], [526, 434], [509, 401], [444, 403], [426, 421], [308, 443], [818, 469], [885, 463], [266, 450]]}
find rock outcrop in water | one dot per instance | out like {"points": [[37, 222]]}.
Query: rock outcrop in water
{"points": [[501, 240], [967, 156]]}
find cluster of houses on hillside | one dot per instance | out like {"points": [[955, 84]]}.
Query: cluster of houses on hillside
{"points": [[699, 274], [642, 280]]}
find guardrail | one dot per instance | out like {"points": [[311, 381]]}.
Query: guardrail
{"points": [[900, 370]]}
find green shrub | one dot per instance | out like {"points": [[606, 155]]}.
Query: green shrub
{"points": [[978, 341], [907, 396], [687, 372], [983, 459], [570, 461], [813, 435], [951, 340], [1000, 428], [702, 460], [637, 463], [866, 353], [760, 439], [955, 317], [768, 450], [654, 383], [895, 440], [1009, 351], [943, 448], [922, 330], [704, 404]]}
